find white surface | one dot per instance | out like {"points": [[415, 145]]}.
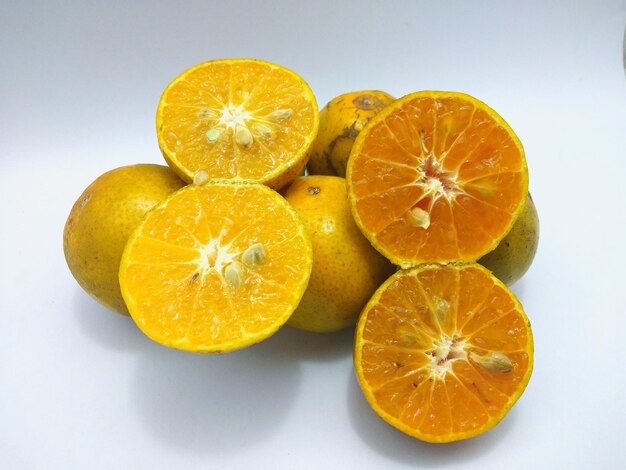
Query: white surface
{"points": [[82, 388]]}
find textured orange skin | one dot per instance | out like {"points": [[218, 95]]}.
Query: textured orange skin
{"points": [[513, 256], [102, 219], [341, 120], [346, 268]]}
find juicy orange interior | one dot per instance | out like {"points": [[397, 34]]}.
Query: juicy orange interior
{"points": [[444, 351], [185, 274], [437, 177], [236, 119]]}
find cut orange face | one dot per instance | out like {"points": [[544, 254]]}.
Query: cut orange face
{"points": [[239, 119], [216, 267], [443, 352], [436, 177]]}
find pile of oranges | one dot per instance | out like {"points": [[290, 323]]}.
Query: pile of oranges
{"points": [[229, 242]]}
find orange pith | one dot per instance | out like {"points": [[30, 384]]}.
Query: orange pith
{"points": [[443, 352], [241, 119], [436, 177], [216, 267]]}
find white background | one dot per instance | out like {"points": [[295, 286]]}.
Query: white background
{"points": [[82, 388]]}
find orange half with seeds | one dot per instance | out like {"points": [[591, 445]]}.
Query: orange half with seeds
{"points": [[216, 267], [239, 119], [443, 352], [436, 177]]}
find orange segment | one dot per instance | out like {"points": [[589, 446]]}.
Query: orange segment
{"points": [[436, 177], [443, 352], [216, 267], [240, 119]]}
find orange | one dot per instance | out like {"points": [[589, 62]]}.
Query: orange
{"points": [[216, 267], [239, 119], [436, 177], [516, 252], [102, 219], [346, 268], [341, 120], [443, 352]]}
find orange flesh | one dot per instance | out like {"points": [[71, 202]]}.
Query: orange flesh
{"points": [[224, 96], [173, 270], [416, 345], [447, 158]]}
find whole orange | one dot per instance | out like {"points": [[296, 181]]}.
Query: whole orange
{"points": [[103, 218], [346, 268], [341, 120]]}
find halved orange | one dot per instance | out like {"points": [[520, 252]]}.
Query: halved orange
{"points": [[216, 267], [436, 177], [240, 119], [443, 352]]}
